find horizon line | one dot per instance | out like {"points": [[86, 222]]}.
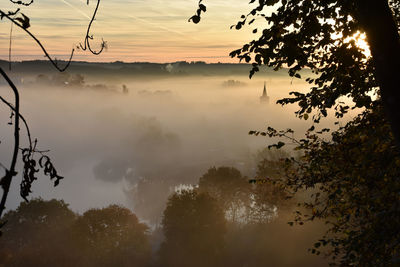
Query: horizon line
{"points": [[125, 62]]}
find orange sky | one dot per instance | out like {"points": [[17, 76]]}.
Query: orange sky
{"points": [[135, 30]]}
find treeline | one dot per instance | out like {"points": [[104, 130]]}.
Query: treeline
{"points": [[138, 69], [48, 233], [222, 221]]}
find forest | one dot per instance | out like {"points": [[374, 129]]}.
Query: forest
{"points": [[223, 221]]}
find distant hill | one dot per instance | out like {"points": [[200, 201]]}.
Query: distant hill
{"points": [[139, 69]]}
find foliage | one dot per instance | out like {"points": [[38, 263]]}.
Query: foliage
{"points": [[229, 187], [270, 197], [356, 177], [48, 233], [194, 227], [111, 236], [353, 173], [244, 202], [31, 231], [316, 35], [272, 244]]}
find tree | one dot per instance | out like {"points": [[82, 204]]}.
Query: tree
{"points": [[111, 236], [355, 177], [31, 232], [48, 233], [229, 187], [242, 201], [194, 229], [32, 157], [354, 171], [322, 36], [270, 197]]}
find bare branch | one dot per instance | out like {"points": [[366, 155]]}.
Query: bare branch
{"points": [[19, 2], [9, 47], [54, 62], [22, 118], [89, 37], [5, 182]]}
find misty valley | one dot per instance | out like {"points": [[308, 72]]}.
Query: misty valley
{"points": [[170, 149], [199, 133]]}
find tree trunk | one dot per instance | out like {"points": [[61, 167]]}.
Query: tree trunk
{"points": [[384, 41]]}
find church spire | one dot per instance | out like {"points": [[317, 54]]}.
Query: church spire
{"points": [[265, 90], [264, 97]]}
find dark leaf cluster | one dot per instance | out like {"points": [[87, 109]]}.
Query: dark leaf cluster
{"points": [[31, 168], [196, 18], [354, 177], [316, 35]]}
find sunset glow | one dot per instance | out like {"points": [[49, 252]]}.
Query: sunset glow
{"points": [[153, 31]]}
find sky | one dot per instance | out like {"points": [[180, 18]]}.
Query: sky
{"points": [[135, 30]]}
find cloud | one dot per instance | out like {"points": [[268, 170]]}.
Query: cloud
{"points": [[76, 9]]}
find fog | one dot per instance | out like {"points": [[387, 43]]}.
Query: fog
{"points": [[170, 130], [133, 140]]}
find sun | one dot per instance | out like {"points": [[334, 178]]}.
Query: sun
{"points": [[360, 39]]}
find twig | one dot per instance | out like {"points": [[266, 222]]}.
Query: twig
{"points": [[54, 62], [22, 118], [9, 47], [10, 173], [21, 3], [90, 37]]}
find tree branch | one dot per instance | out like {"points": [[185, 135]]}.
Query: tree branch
{"points": [[90, 37], [54, 62], [5, 182], [22, 118]]}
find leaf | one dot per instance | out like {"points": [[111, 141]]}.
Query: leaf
{"points": [[202, 8], [280, 144], [195, 19], [24, 21], [277, 146]]}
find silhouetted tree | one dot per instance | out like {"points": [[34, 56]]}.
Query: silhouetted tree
{"points": [[242, 201], [229, 188], [194, 229], [322, 36], [111, 236], [37, 234], [354, 173]]}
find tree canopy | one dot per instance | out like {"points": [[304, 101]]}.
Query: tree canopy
{"points": [[323, 36], [111, 236], [241, 200], [48, 233], [353, 172], [194, 226], [36, 234]]}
